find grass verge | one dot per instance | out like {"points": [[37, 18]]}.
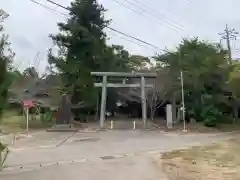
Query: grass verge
{"points": [[220, 161], [11, 122]]}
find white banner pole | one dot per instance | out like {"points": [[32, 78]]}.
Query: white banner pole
{"points": [[27, 112]]}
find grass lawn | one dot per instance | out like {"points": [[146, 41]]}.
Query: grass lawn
{"points": [[198, 127], [13, 123], [220, 161]]}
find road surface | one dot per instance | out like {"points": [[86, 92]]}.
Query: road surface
{"points": [[102, 155]]}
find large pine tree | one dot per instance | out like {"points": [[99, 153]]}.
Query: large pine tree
{"points": [[81, 43]]}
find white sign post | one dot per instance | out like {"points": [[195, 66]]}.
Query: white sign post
{"points": [[26, 105], [27, 114], [183, 104]]}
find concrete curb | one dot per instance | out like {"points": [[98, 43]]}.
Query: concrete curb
{"points": [[31, 148]]}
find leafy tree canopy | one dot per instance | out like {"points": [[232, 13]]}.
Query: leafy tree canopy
{"points": [[205, 71], [82, 49], [6, 56]]}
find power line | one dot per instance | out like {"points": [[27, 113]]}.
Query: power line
{"points": [[137, 39], [122, 33], [170, 9], [141, 14], [59, 5], [159, 14], [48, 7], [130, 41]]}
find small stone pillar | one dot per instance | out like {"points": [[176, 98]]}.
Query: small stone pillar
{"points": [[169, 116]]}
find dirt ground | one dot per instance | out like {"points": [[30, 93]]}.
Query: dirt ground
{"points": [[220, 161]]}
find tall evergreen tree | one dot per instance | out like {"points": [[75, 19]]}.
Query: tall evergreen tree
{"points": [[81, 43]]}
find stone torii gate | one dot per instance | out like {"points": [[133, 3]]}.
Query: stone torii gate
{"points": [[104, 85]]}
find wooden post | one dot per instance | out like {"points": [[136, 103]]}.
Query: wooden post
{"points": [[144, 104], [103, 101]]}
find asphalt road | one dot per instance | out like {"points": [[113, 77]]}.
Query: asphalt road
{"points": [[104, 155]]}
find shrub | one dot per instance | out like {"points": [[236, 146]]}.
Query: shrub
{"points": [[210, 114], [195, 112], [2, 147]]}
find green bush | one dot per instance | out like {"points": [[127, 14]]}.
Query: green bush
{"points": [[210, 115], [3, 156], [2, 147], [47, 117], [195, 112], [210, 121]]}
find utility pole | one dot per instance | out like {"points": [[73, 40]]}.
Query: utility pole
{"points": [[183, 103], [228, 35]]}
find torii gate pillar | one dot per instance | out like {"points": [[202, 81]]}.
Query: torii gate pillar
{"points": [[144, 103], [104, 85], [103, 101]]}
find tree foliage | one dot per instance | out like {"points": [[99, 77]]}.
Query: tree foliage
{"points": [[81, 43], [82, 49], [234, 80], [31, 72], [205, 72], [6, 56]]}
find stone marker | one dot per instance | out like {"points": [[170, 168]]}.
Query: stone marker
{"points": [[64, 113], [169, 116], [64, 116]]}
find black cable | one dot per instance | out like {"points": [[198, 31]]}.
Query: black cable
{"points": [[141, 14], [171, 10], [131, 41], [47, 7], [119, 32], [58, 5], [137, 39], [151, 12]]}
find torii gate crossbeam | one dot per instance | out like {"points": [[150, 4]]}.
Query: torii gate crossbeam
{"points": [[105, 85]]}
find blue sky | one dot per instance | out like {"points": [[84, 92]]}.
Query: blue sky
{"points": [[161, 22]]}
